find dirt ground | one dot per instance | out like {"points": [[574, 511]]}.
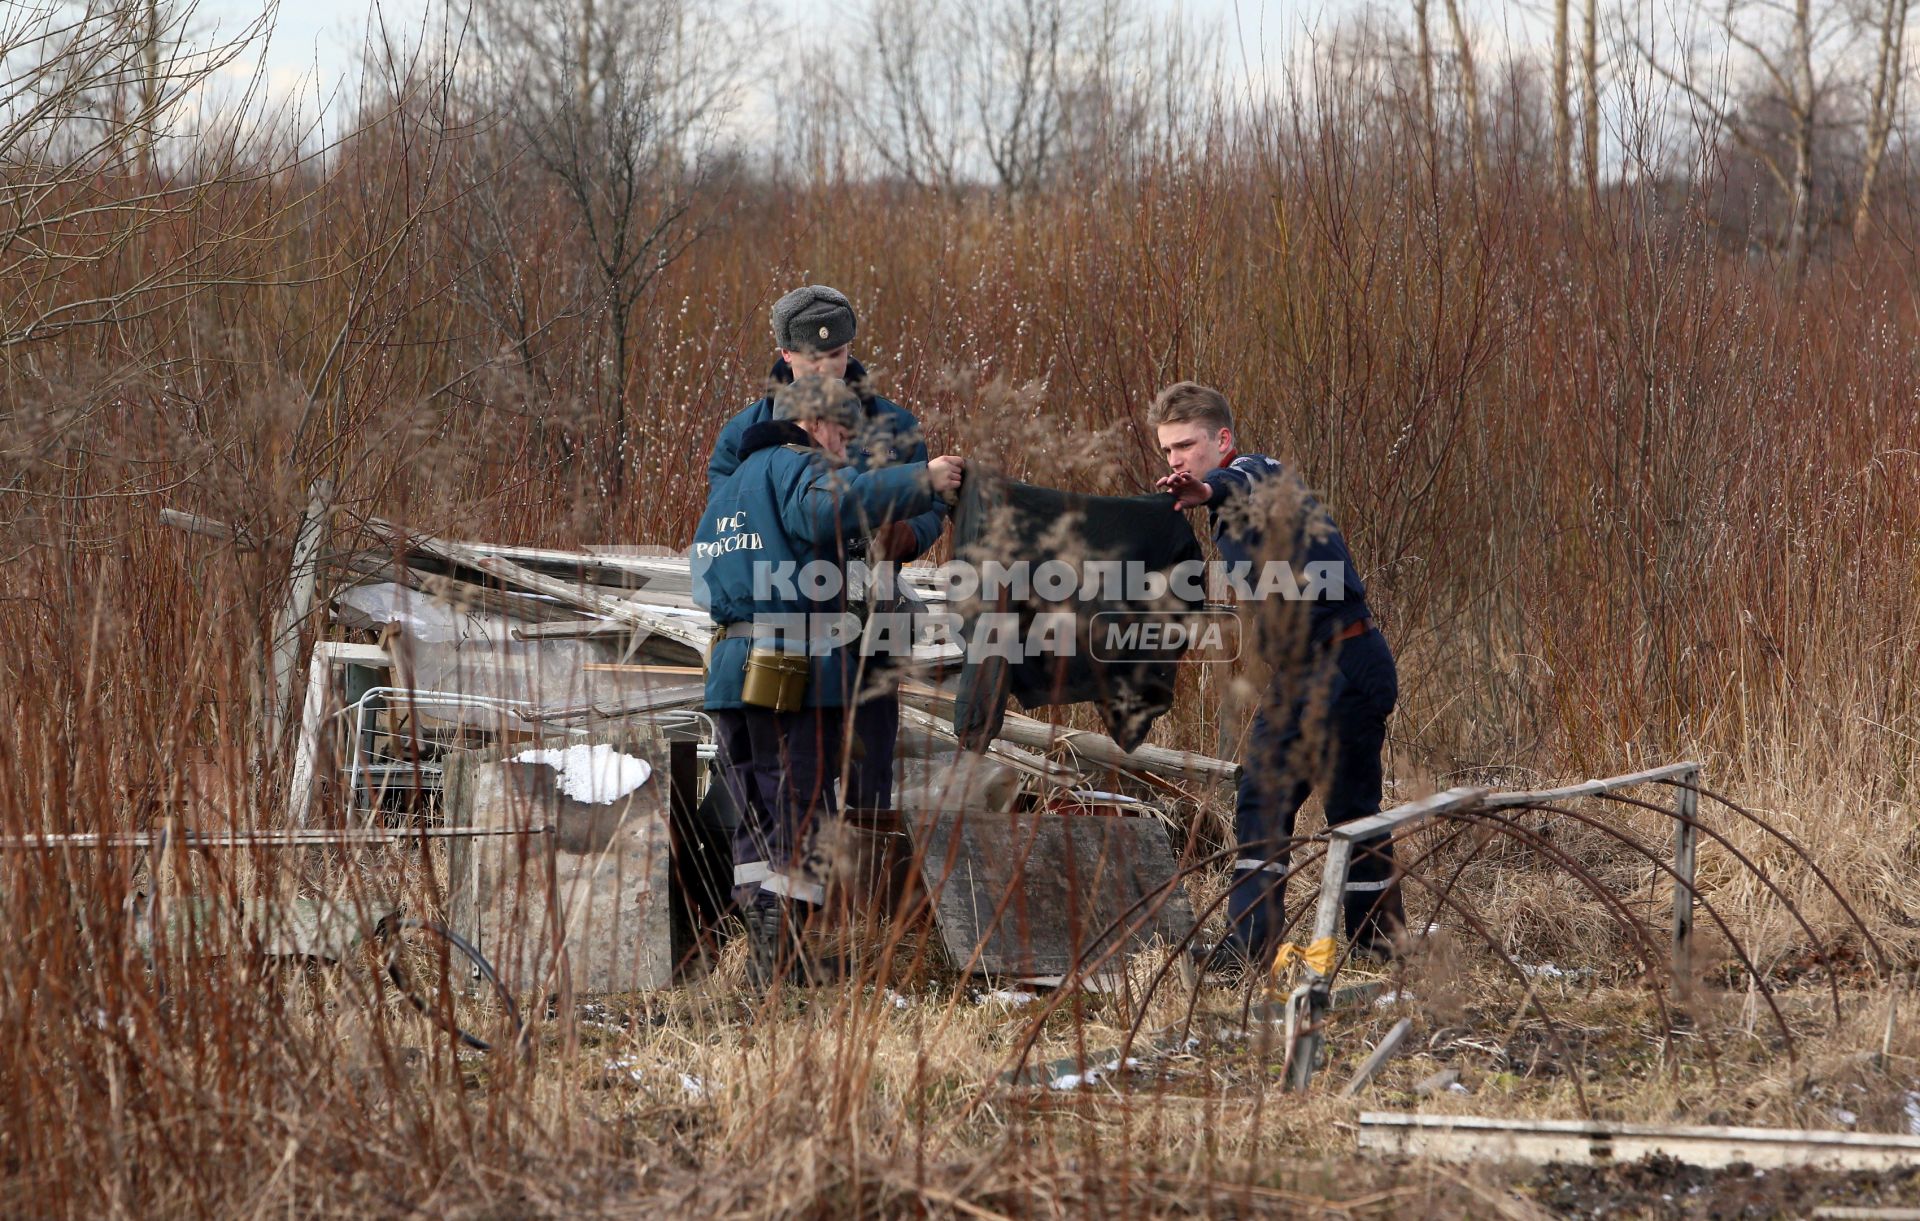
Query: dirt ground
{"points": [[1662, 1188]]}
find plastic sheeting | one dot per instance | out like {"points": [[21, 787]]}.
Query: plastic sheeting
{"points": [[471, 654]]}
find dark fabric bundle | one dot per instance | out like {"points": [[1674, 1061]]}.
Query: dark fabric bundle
{"points": [[1002, 521]]}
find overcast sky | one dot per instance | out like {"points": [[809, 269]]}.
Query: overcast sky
{"points": [[315, 42]]}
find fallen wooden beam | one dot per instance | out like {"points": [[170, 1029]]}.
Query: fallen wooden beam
{"points": [[1381, 1054], [1591, 788], [920, 728], [1474, 1138], [206, 527], [1098, 748], [311, 838], [573, 629], [682, 629]]}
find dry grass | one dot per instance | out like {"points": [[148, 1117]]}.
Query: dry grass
{"points": [[1622, 496]]}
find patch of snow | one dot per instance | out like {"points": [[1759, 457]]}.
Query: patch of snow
{"points": [[1844, 1116], [630, 1066], [1553, 970], [1001, 996], [1457, 1088], [1072, 1081], [598, 774], [1390, 997], [597, 1015], [637, 1071], [1911, 1105], [898, 1001]]}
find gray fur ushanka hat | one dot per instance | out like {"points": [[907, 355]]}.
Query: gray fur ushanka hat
{"points": [[813, 319]]}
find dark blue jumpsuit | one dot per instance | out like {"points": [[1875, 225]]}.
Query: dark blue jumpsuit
{"points": [[786, 506], [1323, 722], [891, 435]]}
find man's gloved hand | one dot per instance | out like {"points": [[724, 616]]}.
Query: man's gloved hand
{"points": [[893, 541]]}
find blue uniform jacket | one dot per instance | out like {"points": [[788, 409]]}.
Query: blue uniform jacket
{"points": [[1238, 530], [891, 437], [786, 505]]}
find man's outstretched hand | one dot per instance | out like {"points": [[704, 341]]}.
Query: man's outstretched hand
{"points": [[1188, 492], [945, 473]]}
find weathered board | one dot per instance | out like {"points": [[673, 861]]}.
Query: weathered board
{"points": [[1498, 1138], [586, 906], [1032, 894]]}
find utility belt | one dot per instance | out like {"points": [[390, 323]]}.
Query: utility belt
{"points": [[1354, 630], [775, 679]]}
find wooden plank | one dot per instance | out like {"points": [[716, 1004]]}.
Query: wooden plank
{"points": [[589, 903], [1472, 1138], [1381, 1054], [920, 728], [365, 837], [1591, 788], [681, 629], [1026, 894], [1686, 842], [284, 646], [207, 527], [662, 572], [326, 655], [610, 667], [572, 629], [1413, 812], [667, 697], [1307, 1005], [1094, 747], [463, 882]]}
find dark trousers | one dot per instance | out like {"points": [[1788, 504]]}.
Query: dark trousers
{"points": [[781, 770], [876, 733], [1328, 733]]}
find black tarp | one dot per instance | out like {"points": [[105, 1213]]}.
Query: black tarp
{"points": [[1005, 522]]}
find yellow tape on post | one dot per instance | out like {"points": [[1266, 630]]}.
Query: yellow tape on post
{"points": [[1318, 957]]}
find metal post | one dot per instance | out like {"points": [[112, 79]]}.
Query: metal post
{"points": [[1307, 1007], [1686, 837]]}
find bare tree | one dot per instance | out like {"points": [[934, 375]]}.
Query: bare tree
{"points": [[1783, 39], [1015, 90], [1590, 98], [1423, 41], [907, 99], [1562, 110], [1889, 27], [84, 86], [1469, 88], [614, 104]]}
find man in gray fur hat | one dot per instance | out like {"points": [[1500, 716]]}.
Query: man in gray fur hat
{"points": [[813, 330]]}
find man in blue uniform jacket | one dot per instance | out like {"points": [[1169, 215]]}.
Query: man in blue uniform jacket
{"points": [[1324, 720], [813, 329], [793, 501]]}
